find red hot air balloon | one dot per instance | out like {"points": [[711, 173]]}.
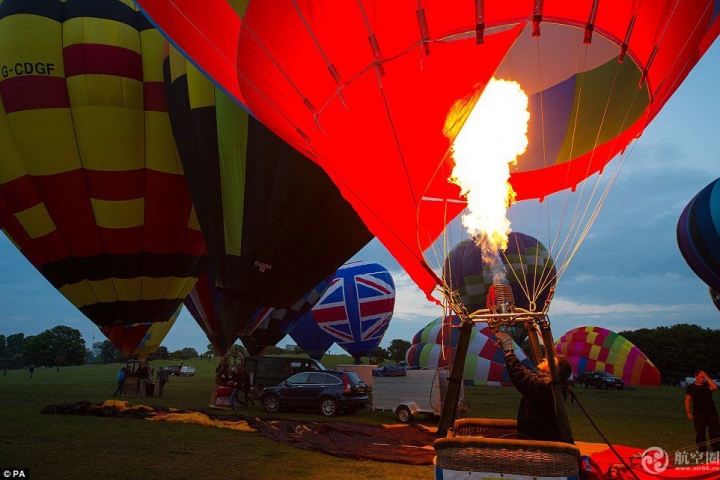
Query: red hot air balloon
{"points": [[366, 88]]}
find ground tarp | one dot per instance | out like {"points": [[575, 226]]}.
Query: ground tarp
{"points": [[408, 444]]}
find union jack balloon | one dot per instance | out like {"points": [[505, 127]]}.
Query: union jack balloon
{"points": [[357, 307]]}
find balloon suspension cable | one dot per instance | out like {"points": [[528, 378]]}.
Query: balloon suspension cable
{"points": [[452, 394], [617, 454]]}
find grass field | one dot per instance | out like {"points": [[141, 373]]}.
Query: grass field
{"points": [[79, 447]]}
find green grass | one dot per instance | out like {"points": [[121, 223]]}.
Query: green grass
{"points": [[68, 446]]}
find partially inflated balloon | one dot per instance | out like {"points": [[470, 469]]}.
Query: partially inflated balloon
{"points": [[357, 307], [274, 223], [312, 339], [435, 345], [269, 325], [155, 335], [202, 303], [92, 191], [596, 348], [698, 234], [715, 296], [529, 270]]}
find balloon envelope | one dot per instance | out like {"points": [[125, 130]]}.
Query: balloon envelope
{"points": [[698, 234], [435, 345], [203, 303], [328, 77], [312, 339], [92, 191], [595, 348], [357, 307], [274, 223], [529, 271], [269, 325]]}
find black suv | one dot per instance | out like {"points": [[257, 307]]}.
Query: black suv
{"points": [[327, 391], [599, 380]]}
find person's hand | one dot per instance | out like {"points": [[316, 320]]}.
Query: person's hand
{"points": [[505, 341]]}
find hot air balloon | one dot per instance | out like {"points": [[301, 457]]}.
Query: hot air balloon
{"points": [[274, 223], [435, 344], [698, 234], [155, 335], [269, 325], [328, 77], [715, 296], [264, 327], [202, 303], [529, 270], [92, 191], [357, 307], [595, 348], [312, 339]]}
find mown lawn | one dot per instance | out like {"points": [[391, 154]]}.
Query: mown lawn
{"points": [[68, 446]]}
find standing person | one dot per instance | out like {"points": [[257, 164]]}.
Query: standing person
{"points": [[700, 408], [536, 417], [246, 386], [143, 376], [162, 378], [120, 379], [237, 384], [32, 370]]}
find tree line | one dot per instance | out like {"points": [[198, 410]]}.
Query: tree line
{"points": [[676, 351], [64, 346], [679, 350]]}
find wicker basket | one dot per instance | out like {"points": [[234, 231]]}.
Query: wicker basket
{"points": [[507, 456], [484, 427]]}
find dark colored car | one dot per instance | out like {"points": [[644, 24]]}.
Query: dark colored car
{"points": [[599, 380], [327, 391], [173, 370]]}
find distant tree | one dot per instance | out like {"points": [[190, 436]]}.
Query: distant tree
{"points": [[161, 353], [275, 351], [60, 345], [378, 355], [397, 349], [3, 347], [210, 351], [184, 354], [108, 353], [678, 350], [15, 345]]}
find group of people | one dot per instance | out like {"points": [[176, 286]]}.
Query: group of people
{"points": [[537, 418], [238, 378], [144, 374]]}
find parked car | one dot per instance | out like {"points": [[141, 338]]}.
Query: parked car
{"points": [[173, 370], [328, 391], [600, 379], [270, 371], [188, 371]]}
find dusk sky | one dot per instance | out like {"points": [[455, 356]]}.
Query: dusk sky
{"points": [[627, 274]]}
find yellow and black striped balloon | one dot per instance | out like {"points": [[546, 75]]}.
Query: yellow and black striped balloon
{"points": [[92, 190]]}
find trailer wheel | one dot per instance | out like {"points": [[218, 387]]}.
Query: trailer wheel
{"points": [[404, 414]]}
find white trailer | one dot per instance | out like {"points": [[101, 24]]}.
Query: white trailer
{"points": [[418, 391]]}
